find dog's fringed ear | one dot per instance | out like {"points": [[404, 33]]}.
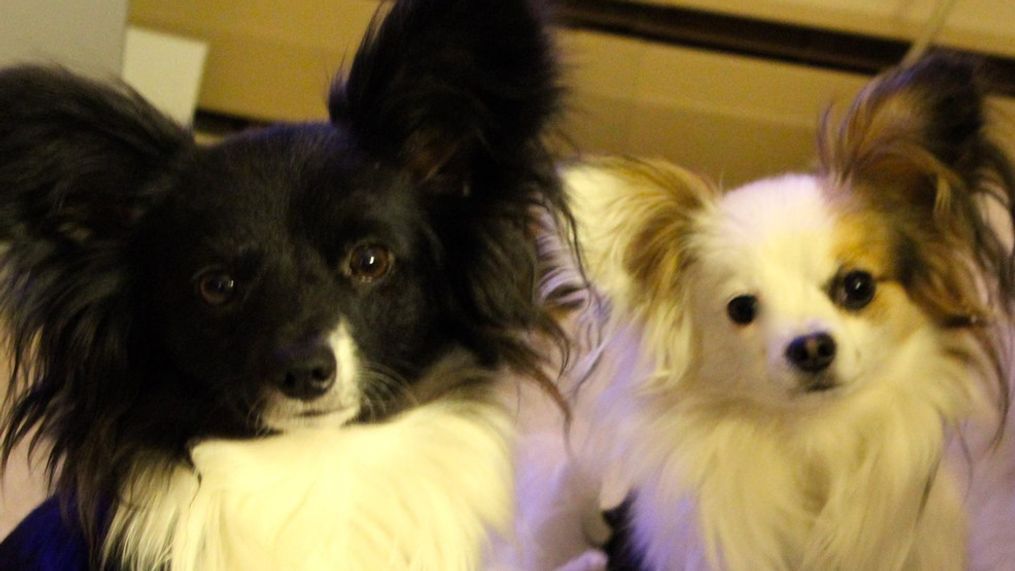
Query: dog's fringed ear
{"points": [[918, 136], [909, 126], [653, 221], [637, 238], [76, 157], [80, 162], [917, 141], [451, 89]]}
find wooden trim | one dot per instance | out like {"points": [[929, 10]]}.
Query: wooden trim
{"points": [[751, 37]]}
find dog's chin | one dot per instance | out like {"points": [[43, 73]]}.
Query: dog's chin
{"points": [[283, 415], [791, 392]]}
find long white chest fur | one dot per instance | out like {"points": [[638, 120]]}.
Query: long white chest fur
{"points": [[861, 490], [418, 493]]}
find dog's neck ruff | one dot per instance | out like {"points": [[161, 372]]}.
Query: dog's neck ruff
{"points": [[420, 492], [859, 484]]}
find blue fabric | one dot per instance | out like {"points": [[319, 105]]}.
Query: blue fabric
{"points": [[44, 541]]}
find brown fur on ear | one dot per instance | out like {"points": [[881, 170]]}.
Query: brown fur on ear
{"points": [[636, 227], [657, 209], [668, 199], [909, 126], [914, 147]]}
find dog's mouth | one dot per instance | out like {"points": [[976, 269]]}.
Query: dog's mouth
{"points": [[816, 384], [313, 413], [287, 415], [821, 386]]}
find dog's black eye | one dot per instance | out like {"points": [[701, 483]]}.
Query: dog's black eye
{"points": [[369, 262], [216, 287], [856, 290], [742, 309]]}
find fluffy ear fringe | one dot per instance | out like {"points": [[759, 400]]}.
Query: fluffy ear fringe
{"points": [[77, 157], [638, 243], [917, 139], [79, 163]]}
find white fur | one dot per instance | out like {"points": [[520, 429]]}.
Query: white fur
{"points": [[734, 467], [421, 492]]}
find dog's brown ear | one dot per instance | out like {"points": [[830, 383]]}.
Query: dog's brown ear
{"points": [[636, 227], [913, 134], [915, 145]]}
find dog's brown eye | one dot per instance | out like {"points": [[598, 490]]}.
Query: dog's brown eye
{"points": [[742, 309], [856, 289], [216, 288], [369, 262]]}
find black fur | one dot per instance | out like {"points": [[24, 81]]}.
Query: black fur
{"points": [[112, 212], [621, 549]]}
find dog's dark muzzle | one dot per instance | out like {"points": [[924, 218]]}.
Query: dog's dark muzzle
{"points": [[308, 373]]}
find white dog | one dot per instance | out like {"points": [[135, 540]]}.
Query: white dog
{"points": [[824, 381]]}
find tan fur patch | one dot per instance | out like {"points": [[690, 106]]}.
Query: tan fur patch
{"points": [[865, 241], [662, 203]]}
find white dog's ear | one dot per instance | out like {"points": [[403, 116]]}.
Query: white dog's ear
{"points": [[637, 223], [915, 145], [910, 127], [636, 219]]}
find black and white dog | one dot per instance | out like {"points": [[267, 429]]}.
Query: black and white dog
{"points": [[277, 352]]}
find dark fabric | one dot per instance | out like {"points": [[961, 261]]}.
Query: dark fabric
{"points": [[44, 541], [621, 549]]}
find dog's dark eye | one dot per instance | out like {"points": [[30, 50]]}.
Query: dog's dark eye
{"points": [[742, 309], [856, 290], [369, 262], [216, 287]]}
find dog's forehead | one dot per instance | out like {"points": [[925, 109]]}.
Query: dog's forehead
{"points": [[779, 225], [285, 175]]}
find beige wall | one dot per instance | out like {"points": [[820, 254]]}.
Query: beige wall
{"points": [[731, 118], [86, 35], [267, 59], [21, 489]]}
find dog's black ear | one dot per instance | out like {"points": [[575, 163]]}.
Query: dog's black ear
{"points": [[80, 162], [77, 157], [450, 87]]}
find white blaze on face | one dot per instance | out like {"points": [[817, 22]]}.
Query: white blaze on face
{"points": [[334, 408], [773, 240], [786, 242]]}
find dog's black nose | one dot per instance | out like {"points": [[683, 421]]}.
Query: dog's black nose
{"points": [[310, 375], [811, 353]]}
